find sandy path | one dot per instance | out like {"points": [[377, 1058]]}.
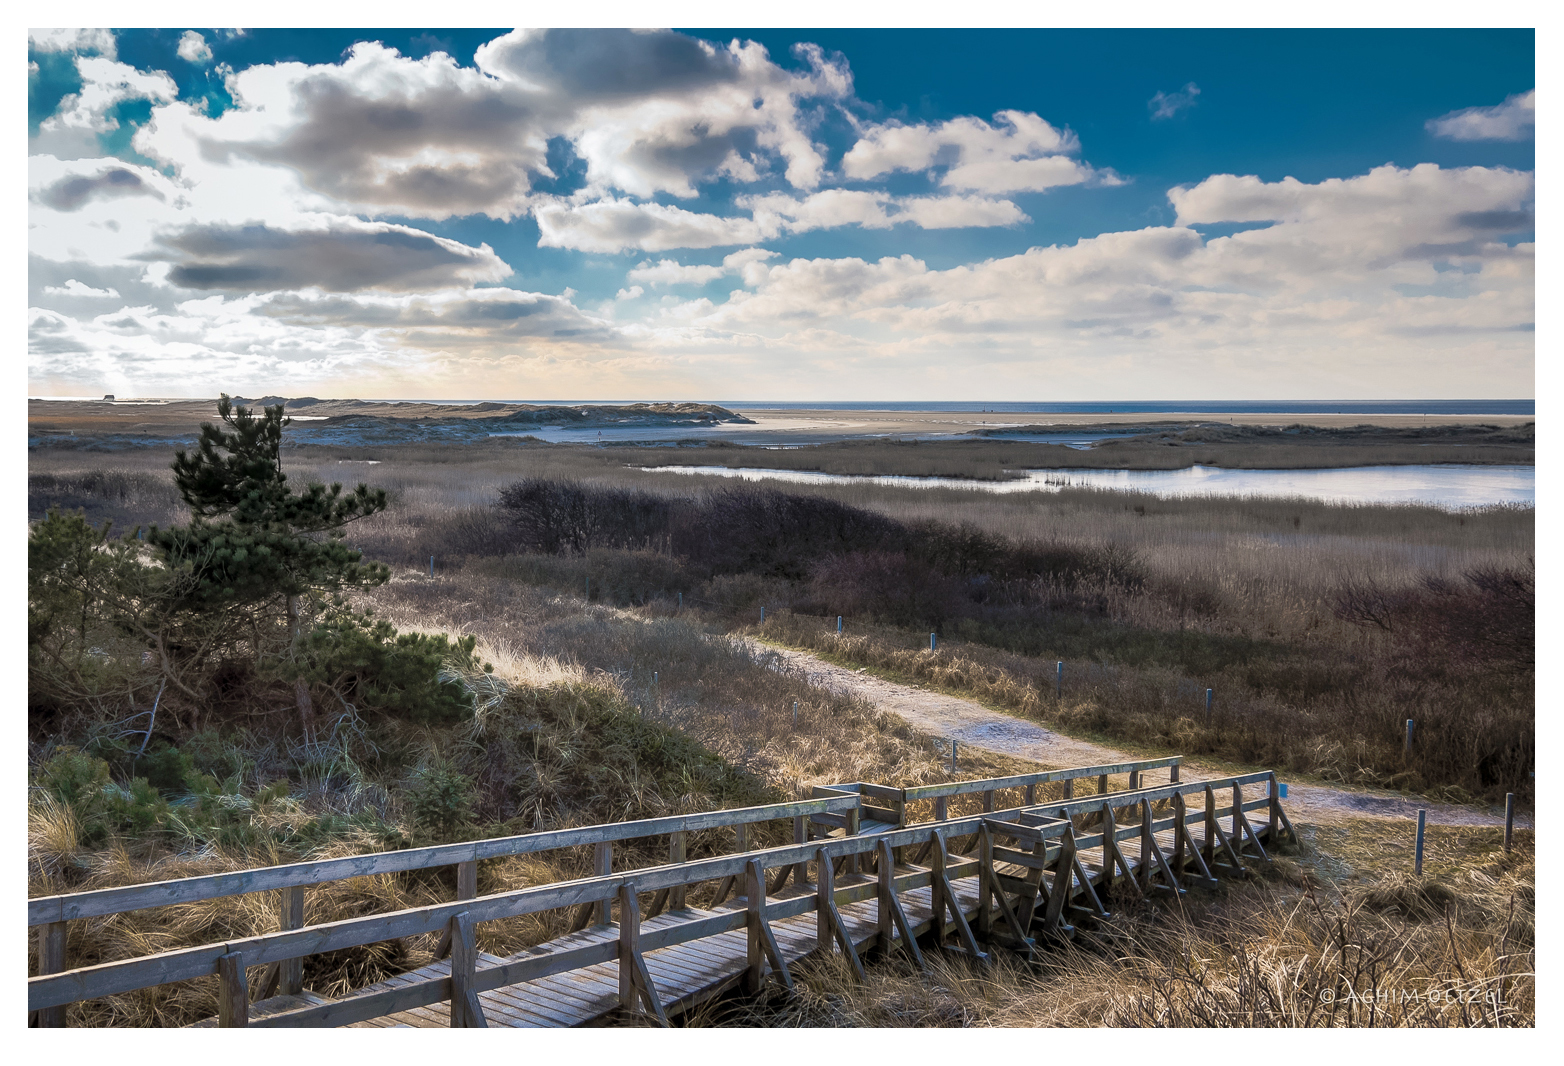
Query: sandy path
{"points": [[972, 723]]}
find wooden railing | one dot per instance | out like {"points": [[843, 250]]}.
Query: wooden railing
{"points": [[1050, 829]]}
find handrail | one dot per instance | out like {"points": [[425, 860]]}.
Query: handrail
{"points": [[111, 978], [105, 901], [127, 975], [963, 788]]}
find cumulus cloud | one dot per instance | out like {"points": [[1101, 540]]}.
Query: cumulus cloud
{"points": [[72, 192], [1018, 152], [671, 272], [1347, 265], [832, 208], [646, 112], [1165, 105], [72, 287], [614, 225], [1513, 120], [82, 117], [194, 49], [345, 255], [99, 41]]}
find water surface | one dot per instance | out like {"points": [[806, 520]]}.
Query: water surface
{"points": [[1451, 486]]}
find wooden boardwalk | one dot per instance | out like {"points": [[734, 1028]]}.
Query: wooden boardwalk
{"points": [[860, 878]]}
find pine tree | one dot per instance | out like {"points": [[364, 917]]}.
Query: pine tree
{"points": [[257, 557]]}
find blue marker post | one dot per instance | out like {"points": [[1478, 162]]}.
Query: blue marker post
{"points": [[762, 616], [931, 642], [1059, 680], [681, 601], [431, 566], [838, 625], [1407, 750], [1208, 706], [1422, 817], [795, 714]]}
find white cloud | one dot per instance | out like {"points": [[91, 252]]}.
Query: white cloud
{"points": [[670, 272], [94, 40], [194, 49], [72, 131], [1019, 152], [1356, 280], [1165, 105], [832, 208], [72, 287], [648, 113], [634, 292], [1513, 120], [615, 225]]}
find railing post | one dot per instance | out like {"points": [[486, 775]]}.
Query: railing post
{"points": [[852, 814], [1031, 793], [1134, 780], [1102, 784], [629, 945], [986, 886], [675, 856], [290, 975], [602, 866], [1275, 810], [941, 808], [233, 993], [883, 919], [755, 900], [1238, 818], [1069, 788], [51, 959], [937, 889], [988, 801], [801, 836], [466, 1013], [1147, 843], [1173, 774], [1211, 825]]}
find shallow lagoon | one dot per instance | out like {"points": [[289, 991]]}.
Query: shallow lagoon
{"points": [[1449, 486]]}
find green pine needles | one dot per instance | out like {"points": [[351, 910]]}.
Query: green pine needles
{"points": [[242, 612]]}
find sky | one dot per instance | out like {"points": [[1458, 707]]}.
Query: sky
{"points": [[716, 213]]}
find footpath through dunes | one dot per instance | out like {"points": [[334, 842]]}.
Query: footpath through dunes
{"points": [[970, 723]]}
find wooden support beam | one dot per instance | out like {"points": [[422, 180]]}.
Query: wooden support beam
{"points": [[762, 941], [829, 919], [1112, 853], [945, 895], [986, 886], [890, 902], [676, 844], [637, 993], [602, 866], [466, 888], [290, 973], [51, 959], [1149, 847], [466, 1012], [1102, 784], [801, 836], [233, 992]]}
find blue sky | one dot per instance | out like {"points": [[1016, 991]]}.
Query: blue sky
{"points": [[895, 214]]}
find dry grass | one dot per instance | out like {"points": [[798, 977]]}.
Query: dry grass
{"points": [[1454, 949]]}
